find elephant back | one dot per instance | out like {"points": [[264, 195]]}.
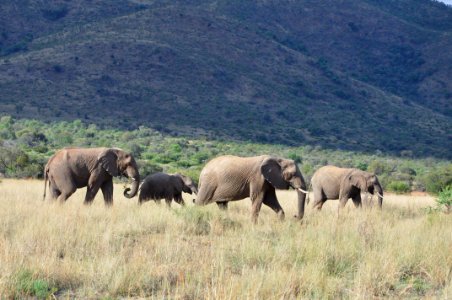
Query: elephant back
{"points": [[157, 186]]}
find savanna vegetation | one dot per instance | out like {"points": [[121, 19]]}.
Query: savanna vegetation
{"points": [[25, 146], [77, 251]]}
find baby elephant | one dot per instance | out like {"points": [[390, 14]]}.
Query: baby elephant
{"points": [[166, 186]]}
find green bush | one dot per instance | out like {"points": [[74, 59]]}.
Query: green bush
{"points": [[27, 285], [147, 168], [444, 199], [438, 178], [398, 187], [295, 157]]}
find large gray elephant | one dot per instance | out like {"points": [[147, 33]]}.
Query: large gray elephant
{"points": [[229, 178], [73, 168], [166, 186], [330, 182]]}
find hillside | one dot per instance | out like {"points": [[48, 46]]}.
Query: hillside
{"points": [[355, 75]]}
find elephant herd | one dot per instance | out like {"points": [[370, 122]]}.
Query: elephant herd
{"points": [[223, 179]]}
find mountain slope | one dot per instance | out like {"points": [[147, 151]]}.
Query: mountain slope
{"points": [[216, 69]]}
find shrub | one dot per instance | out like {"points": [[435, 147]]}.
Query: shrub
{"points": [[444, 199], [147, 168], [295, 157], [28, 285], [398, 187], [438, 179], [53, 14], [362, 166]]}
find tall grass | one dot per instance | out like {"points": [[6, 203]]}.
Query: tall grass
{"points": [[72, 250]]}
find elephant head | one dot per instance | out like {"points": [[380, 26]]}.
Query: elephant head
{"points": [[117, 163], [186, 184], [284, 173], [367, 183]]}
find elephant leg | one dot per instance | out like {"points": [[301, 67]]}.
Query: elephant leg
{"points": [[223, 205], [342, 201], [54, 192], [256, 200], [91, 192], [357, 200], [63, 186], [178, 198], [107, 191], [271, 201], [65, 194], [319, 199]]}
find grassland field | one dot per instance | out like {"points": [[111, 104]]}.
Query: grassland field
{"points": [[51, 250]]}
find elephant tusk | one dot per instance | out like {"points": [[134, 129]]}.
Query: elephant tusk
{"points": [[380, 195], [303, 191]]}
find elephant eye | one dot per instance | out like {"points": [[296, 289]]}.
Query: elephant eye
{"points": [[289, 176]]}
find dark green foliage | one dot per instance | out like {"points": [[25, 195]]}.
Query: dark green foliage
{"points": [[54, 14], [362, 166], [148, 167], [398, 187], [296, 157], [444, 199], [438, 178]]}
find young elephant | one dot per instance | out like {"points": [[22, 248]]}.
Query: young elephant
{"points": [[331, 182], [166, 186]]}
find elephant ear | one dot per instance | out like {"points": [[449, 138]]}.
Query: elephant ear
{"points": [[187, 183], [358, 180], [272, 172], [108, 159]]}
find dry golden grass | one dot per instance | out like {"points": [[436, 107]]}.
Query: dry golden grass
{"points": [[72, 250]]}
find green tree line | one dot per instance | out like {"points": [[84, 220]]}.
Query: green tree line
{"points": [[25, 146]]}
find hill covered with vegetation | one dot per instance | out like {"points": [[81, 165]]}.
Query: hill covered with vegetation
{"points": [[369, 76]]}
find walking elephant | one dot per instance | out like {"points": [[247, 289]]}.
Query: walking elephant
{"points": [[166, 186], [73, 168], [229, 178], [331, 182]]}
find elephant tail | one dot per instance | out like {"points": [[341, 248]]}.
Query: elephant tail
{"points": [[46, 176]]}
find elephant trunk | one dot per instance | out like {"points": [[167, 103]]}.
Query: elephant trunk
{"points": [[379, 192], [301, 204], [301, 194], [194, 189], [132, 172]]}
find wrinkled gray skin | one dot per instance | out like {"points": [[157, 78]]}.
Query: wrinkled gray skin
{"points": [[72, 168], [230, 178], [332, 183], [166, 186]]}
